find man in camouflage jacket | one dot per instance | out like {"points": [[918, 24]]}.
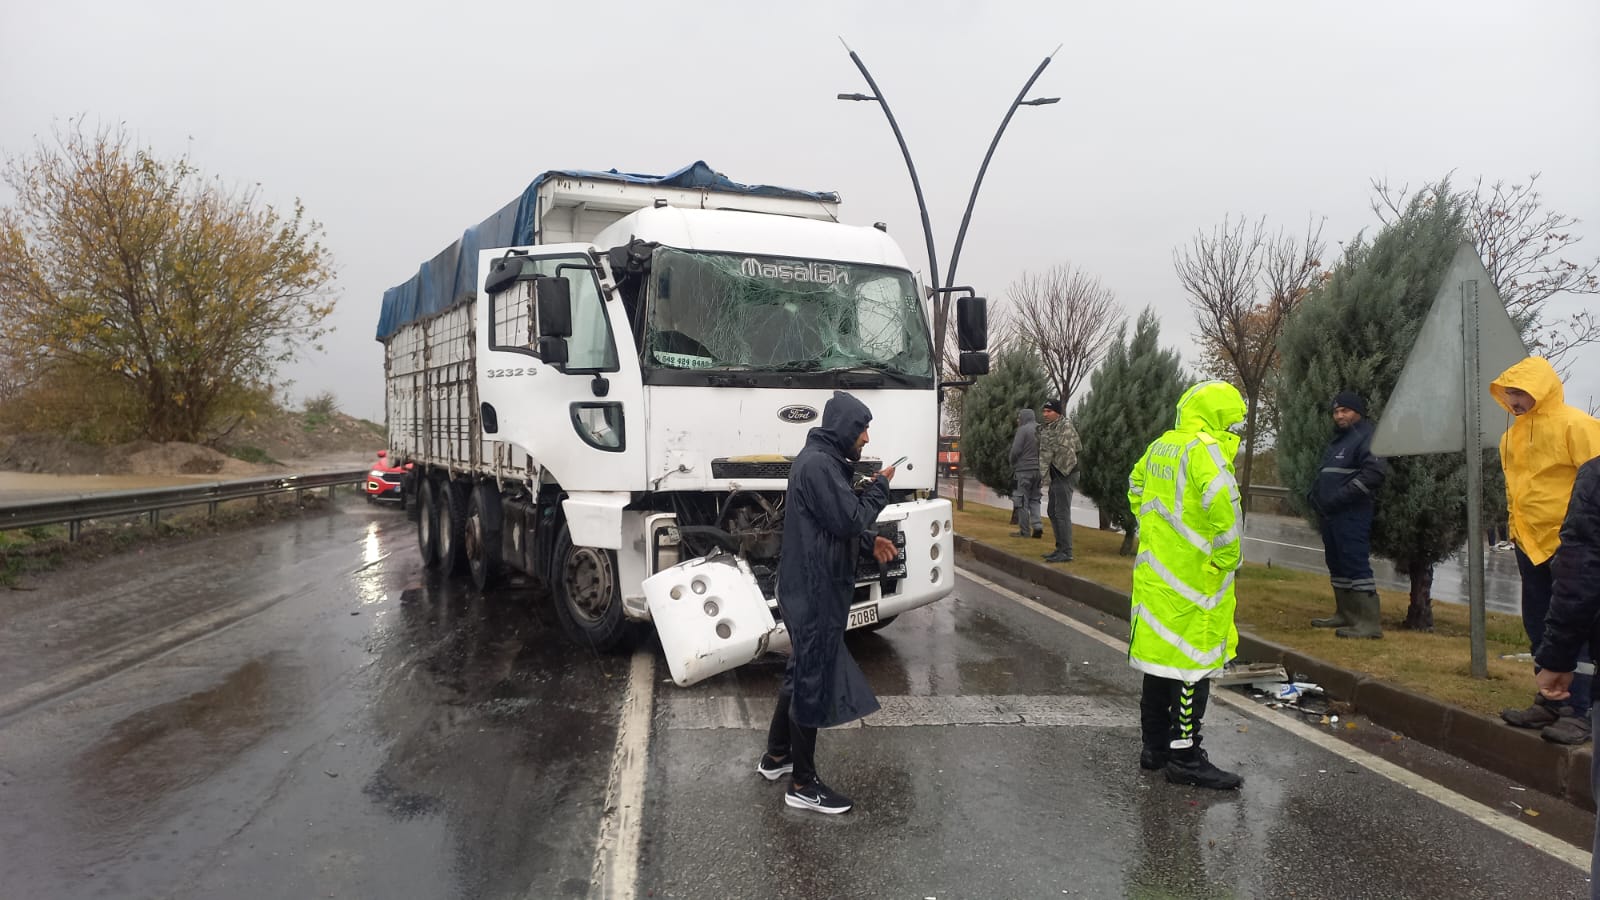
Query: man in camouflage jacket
{"points": [[1058, 469]]}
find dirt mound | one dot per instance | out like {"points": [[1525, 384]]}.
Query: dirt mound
{"points": [[261, 445], [283, 435], [50, 454], [148, 458]]}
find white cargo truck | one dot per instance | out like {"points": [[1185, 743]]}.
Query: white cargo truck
{"points": [[603, 385]]}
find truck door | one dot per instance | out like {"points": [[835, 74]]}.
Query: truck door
{"points": [[582, 418]]}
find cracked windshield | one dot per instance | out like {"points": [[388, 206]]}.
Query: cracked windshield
{"points": [[722, 311]]}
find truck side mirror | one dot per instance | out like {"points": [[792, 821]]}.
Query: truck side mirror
{"points": [[503, 274], [972, 327], [554, 298], [976, 363], [553, 350]]}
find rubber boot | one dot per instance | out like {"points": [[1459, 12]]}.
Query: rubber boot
{"points": [[1340, 618], [1367, 612]]}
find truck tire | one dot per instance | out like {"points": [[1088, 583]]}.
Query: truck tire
{"points": [[427, 523], [452, 502], [482, 534], [587, 593]]}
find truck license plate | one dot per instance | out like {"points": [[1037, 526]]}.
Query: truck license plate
{"points": [[866, 615]]}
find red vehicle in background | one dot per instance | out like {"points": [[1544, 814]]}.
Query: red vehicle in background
{"points": [[383, 481], [949, 459]]}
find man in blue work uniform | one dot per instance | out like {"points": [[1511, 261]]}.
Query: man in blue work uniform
{"points": [[1344, 499]]}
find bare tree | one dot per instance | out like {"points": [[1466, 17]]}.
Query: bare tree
{"points": [[1068, 318], [1243, 284], [1522, 245]]}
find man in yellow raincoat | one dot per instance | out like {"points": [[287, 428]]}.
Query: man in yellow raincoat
{"points": [[1184, 492], [1541, 453]]}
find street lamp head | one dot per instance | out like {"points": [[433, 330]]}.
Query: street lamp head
{"points": [[857, 97], [1041, 101]]}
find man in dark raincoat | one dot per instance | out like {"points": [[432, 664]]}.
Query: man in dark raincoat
{"points": [[826, 531]]}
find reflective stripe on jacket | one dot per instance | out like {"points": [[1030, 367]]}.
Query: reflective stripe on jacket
{"points": [[1541, 453], [1187, 501]]}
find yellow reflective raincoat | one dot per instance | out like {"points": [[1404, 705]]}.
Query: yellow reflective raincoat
{"points": [[1184, 492], [1541, 453]]}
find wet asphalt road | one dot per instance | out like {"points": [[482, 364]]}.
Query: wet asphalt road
{"points": [[298, 711]]}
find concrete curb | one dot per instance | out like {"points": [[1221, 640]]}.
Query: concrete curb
{"points": [[1515, 753]]}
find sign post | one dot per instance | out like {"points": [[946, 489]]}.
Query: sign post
{"points": [[1437, 405]]}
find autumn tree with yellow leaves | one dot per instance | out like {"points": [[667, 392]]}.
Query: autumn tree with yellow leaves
{"points": [[134, 287]]}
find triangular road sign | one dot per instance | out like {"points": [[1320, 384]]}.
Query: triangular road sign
{"points": [[1427, 412]]}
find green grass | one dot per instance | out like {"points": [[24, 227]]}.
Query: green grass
{"points": [[1277, 604], [251, 454]]}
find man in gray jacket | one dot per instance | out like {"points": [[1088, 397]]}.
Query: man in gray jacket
{"points": [[1025, 468]]}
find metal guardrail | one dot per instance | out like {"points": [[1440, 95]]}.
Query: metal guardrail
{"points": [[1276, 491], [74, 511]]}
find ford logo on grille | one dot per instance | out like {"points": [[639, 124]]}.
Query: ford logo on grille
{"points": [[797, 414]]}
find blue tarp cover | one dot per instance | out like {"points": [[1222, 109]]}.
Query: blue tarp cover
{"points": [[451, 276]]}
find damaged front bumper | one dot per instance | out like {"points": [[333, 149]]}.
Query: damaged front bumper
{"points": [[711, 615]]}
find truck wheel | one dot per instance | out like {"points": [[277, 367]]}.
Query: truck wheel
{"points": [[482, 536], [587, 593], [427, 523], [451, 496]]}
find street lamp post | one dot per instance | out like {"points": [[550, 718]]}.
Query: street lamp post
{"points": [[972, 200], [941, 298], [916, 184]]}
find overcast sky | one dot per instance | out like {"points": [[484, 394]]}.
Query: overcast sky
{"points": [[400, 124]]}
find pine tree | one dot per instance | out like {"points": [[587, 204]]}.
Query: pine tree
{"points": [[1132, 399], [1354, 333], [1016, 382]]}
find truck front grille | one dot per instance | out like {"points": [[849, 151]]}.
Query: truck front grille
{"points": [[779, 469]]}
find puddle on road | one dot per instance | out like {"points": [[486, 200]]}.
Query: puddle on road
{"points": [[158, 751]]}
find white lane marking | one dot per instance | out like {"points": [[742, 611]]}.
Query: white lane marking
{"points": [[1466, 806], [616, 854], [899, 711], [1282, 544]]}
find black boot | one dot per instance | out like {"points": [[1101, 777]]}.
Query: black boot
{"points": [[1192, 766], [1154, 758]]}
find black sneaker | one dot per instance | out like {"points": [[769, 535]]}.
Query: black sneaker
{"points": [[1195, 768], [1153, 758], [771, 769], [817, 797]]}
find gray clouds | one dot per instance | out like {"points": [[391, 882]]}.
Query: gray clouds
{"points": [[400, 124]]}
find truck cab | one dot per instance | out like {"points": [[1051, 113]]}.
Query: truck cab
{"points": [[620, 411]]}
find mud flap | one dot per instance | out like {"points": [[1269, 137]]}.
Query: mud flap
{"points": [[710, 616]]}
